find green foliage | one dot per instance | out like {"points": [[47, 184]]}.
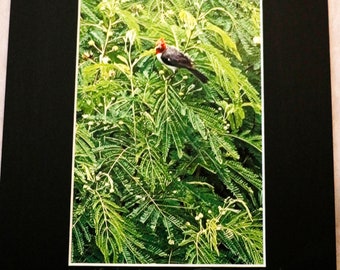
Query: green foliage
{"points": [[166, 169]]}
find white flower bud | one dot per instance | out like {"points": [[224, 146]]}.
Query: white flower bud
{"points": [[257, 40]]}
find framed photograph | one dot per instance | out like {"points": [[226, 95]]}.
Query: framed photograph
{"points": [[168, 163], [164, 134]]}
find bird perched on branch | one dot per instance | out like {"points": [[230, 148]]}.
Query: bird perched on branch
{"points": [[173, 59]]}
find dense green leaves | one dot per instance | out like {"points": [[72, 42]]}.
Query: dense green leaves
{"points": [[167, 169]]}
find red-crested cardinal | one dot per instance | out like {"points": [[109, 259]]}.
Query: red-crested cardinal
{"points": [[173, 59]]}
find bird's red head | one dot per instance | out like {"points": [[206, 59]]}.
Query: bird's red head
{"points": [[160, 45]]}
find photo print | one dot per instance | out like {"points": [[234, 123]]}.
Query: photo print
{"points": [[168, 160]]}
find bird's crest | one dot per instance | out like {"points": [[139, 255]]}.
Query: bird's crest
{"points": [[160, 45]]}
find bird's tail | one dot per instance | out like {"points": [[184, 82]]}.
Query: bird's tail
{"points": [[199, 75]]}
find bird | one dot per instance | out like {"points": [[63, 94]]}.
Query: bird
{"points": [[172, 58]]}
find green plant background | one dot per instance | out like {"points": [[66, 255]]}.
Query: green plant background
{"points": [[166, 169]]}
